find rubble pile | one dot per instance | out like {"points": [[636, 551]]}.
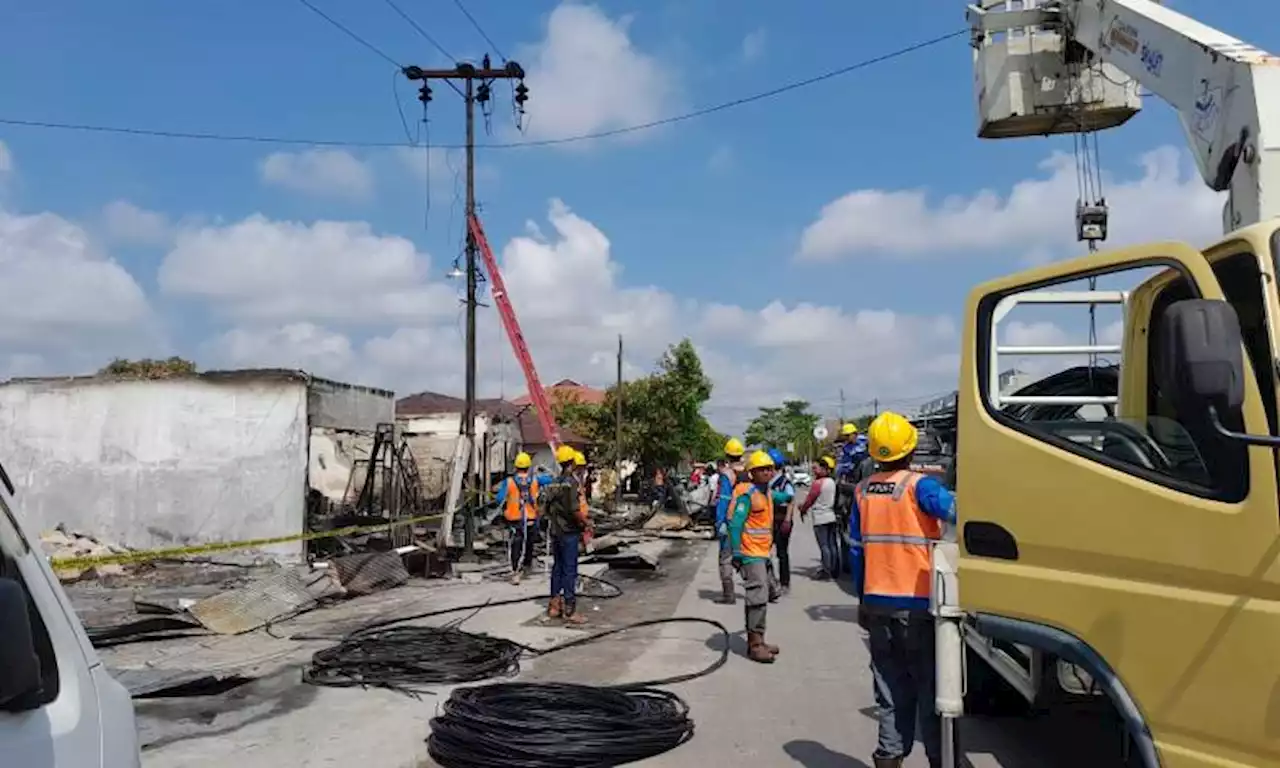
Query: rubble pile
{"points": [[61, 543]]}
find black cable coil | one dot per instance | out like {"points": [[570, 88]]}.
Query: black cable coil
{"points": [[556, 725], [409, 658]]}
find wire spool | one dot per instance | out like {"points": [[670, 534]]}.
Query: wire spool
{"points": [[408, 659], [556, 725]]}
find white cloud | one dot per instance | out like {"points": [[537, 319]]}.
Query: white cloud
{"points": [[294, 345], [65, 305], [753, 45], [125, 222], [331, 173], [1036, 217], [586, 76], [263, 270]]}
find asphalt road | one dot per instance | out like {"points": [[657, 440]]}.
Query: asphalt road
{"points": [[814, 706]]}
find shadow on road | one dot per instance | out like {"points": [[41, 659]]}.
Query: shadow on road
{"points": [[848, 613], [737, 643], [812, 754], [712, 594]]}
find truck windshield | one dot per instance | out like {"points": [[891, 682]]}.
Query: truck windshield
{"points": [[1240, 277]]}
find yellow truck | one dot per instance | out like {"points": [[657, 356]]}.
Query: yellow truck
{"points": [[1122, 547]]}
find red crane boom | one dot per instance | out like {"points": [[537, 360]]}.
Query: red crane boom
{"points": [[499, 289]]}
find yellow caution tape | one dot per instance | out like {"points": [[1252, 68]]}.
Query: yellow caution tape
{"points": [[145, 555]]}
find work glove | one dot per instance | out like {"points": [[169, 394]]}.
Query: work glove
{"points": [[722, 530], [587, 536], [785, 527]]}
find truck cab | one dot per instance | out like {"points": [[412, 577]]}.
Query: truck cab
{"points": [[1133, 557], [59, 708]]}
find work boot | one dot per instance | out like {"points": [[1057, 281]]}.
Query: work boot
{"points": [[727, 596], [515, 577], [886, 762], [555, 607], [775, 650], [757, 651], [571, 615]]}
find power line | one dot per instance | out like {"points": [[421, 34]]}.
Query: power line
{"points": [[425, 35], [257, 139], [479, 29], [345, 30]]}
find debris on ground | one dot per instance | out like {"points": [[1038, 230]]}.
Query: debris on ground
{"points": [[61, 543]]}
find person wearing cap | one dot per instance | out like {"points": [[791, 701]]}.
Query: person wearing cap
{"points": [[730, 473], [897, 514], [821, 503], [518, 498], [566, 512], [751, 538]]}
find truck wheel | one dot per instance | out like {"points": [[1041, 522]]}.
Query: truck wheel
{"points": [[986, 693]]}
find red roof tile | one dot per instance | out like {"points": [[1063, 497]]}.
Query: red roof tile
{"points": [[568, 390]]}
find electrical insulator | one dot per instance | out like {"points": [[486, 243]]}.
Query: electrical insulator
{"points": [[424, 93], [1091, 222], [522, 94], [482, 93]]}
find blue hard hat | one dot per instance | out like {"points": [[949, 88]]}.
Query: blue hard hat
{"points": [[778, 458]]}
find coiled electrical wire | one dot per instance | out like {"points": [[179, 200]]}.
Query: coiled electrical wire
{"points": [[561, 725], [409, 659]]}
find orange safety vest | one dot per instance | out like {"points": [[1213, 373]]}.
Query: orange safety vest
{"points": [[522, 496], [895, 537], [757, 533]]}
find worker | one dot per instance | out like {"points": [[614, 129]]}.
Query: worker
{"points": [[851, 449], [730, 472], [566, 511], [584, 496], [898, 512], [821, 501], [518, 497], [751, 537], [783, 493]]}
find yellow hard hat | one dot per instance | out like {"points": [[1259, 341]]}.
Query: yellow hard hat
{"points": [[828, 462], [565, 454], [734, 448], [523, 460], [891, 437], [579, 460], [758, 460], [849, 429]]}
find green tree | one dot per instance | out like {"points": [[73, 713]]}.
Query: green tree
{"points": [[790, 423], [662, 421]]}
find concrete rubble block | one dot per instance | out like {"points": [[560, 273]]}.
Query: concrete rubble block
{"points": [[668, 521]]}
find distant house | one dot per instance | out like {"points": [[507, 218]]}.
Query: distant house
{"points": [[567, 391], [433, 422]]}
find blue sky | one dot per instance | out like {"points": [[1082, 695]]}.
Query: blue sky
{"points": [[704, 219]]}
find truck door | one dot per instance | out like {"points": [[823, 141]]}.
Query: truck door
{"points": [[1141, 541]]}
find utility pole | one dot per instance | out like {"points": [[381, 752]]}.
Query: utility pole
{"points": [[471, 94], [842, 406], [617, 423]]}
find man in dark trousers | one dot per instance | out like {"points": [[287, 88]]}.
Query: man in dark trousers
{"points": [[897, 514], [565, 509]]}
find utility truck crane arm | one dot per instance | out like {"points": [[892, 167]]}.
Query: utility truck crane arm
{"points": [[1226, 92], [537, 394]]}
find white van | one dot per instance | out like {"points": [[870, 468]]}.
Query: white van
{"points": [[58, 706]]}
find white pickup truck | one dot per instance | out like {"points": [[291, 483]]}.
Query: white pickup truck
{"points": [[59, 708]]}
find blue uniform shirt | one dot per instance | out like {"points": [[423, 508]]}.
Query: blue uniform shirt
{"points": [[934, 500]]}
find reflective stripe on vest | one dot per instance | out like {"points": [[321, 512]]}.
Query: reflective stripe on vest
{"points": [[522, 498], [895, 536], [757, 533]]}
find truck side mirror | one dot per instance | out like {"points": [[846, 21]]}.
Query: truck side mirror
{"points": [[1200, 358], [1201, 365], [19, 665]]}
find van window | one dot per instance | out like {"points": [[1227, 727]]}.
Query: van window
{"points": [[13, 548], [1056, 334]]}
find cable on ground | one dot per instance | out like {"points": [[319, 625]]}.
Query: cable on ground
{"points": [[537, 725]]}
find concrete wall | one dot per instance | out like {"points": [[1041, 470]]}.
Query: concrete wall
{"points": [[335, 405], [160, 463]]}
